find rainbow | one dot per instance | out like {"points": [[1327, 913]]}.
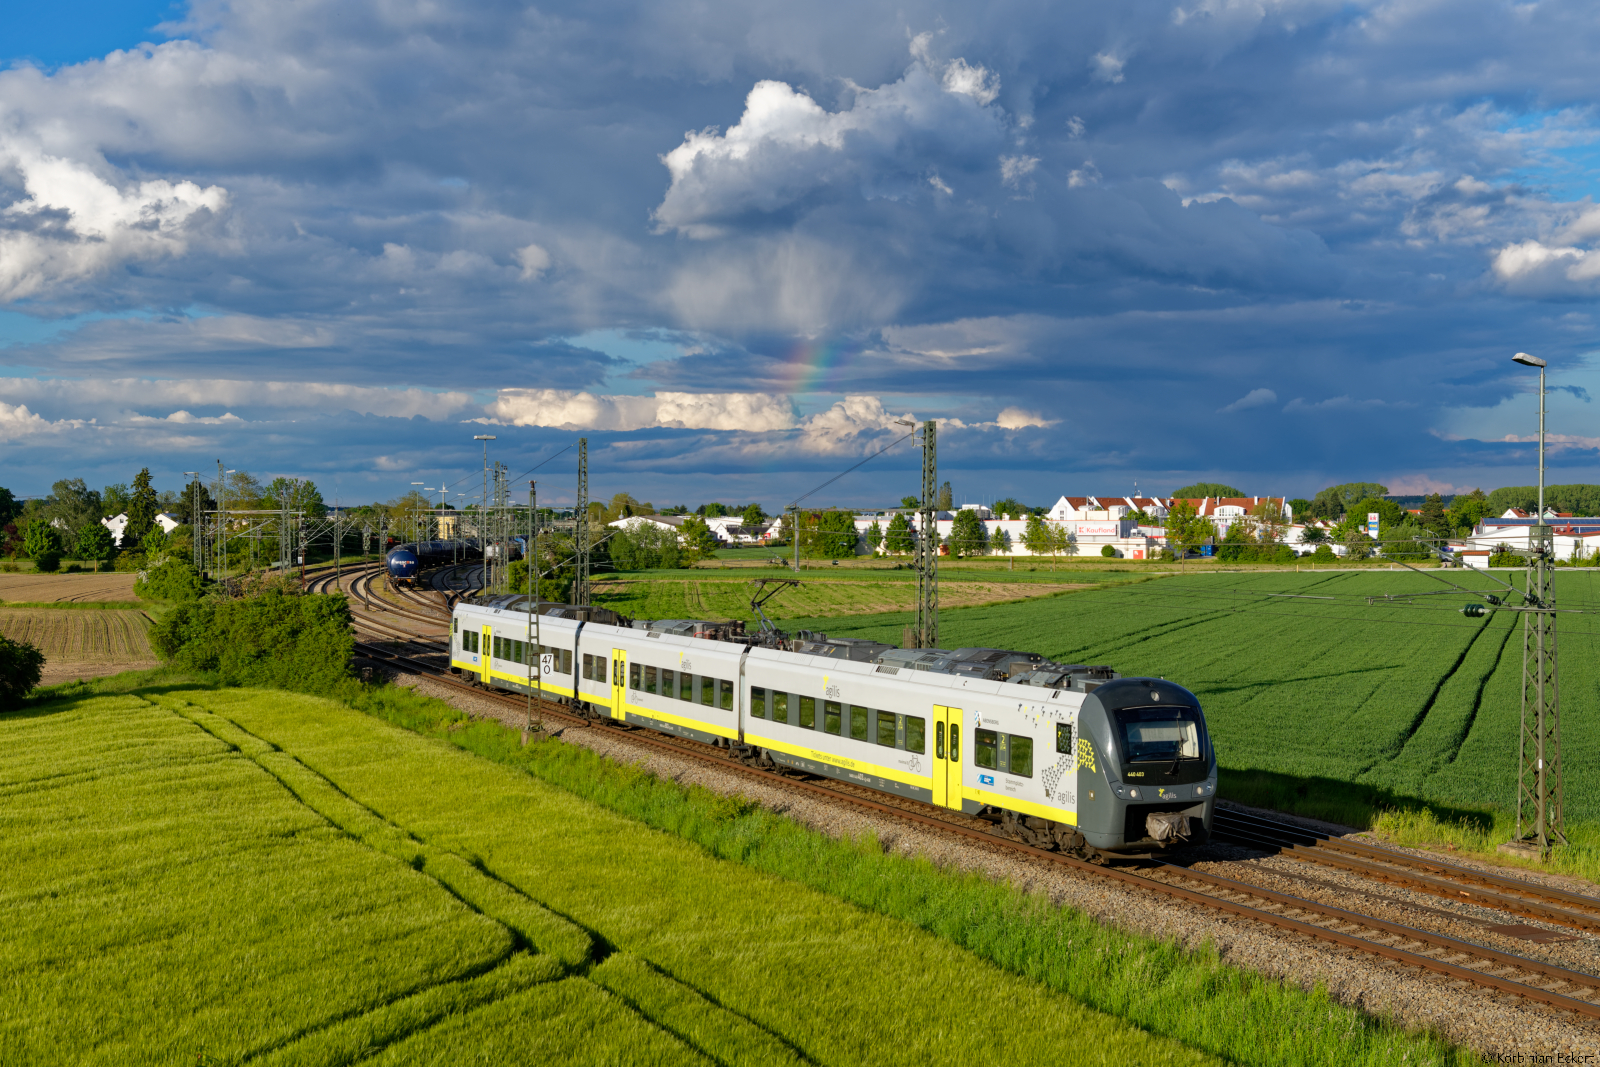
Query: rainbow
{"points": [[810, 366]]}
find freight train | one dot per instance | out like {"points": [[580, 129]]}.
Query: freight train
{"points": [[1066, 757], [404, 561]]}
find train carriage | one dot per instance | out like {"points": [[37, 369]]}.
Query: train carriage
{"points": [[1072, 758]]}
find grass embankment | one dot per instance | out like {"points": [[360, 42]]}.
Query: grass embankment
{"points": [[1401, 717], [537, 904]]}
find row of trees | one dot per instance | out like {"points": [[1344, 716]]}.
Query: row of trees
{"points": [[66, 524]]}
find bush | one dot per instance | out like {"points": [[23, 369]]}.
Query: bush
{"points": [[171, 579], [279, 638], [1507, 559], [21, 667], [1323, 554], [129, 561], [1108, 552]]}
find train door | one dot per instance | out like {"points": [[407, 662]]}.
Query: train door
{"points": [[947, 757], [619, 684], [487, 639]]}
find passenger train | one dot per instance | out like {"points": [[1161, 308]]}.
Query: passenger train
{"points": [[1066, 757]]}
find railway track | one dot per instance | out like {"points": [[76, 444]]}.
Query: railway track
{"points": [[1451, 958]]}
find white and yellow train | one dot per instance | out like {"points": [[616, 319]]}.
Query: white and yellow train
{"points": [[1074, 758]]}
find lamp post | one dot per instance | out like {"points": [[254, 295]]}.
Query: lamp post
{"points": [[1539, 777]]}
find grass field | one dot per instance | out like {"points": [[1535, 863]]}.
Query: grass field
{"points": [[1320, 687], [232, 875], [695, 598]]}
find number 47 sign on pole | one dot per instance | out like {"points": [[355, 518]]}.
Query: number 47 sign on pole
{"points": [[547, 668]]}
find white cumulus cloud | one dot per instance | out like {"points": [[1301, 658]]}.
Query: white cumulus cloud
{"points": [[1015, 418], [74, 223], [695, 411]]}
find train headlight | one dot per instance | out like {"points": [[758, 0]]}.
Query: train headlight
{"points": [[1117, 789], [1133, 792], [1204, 789]]}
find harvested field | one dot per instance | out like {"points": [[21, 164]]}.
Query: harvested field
{"points": [[82, 644], [38, 588], [715, 599]]}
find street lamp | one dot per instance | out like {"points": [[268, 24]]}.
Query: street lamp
{"points": [[1534, 361]]}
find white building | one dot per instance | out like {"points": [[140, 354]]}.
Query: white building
{"points": [[117, 524], [1572, 538]]}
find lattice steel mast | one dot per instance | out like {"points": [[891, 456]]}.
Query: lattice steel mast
{"points": [[580, 526], [928, 541], [1539, 776]]}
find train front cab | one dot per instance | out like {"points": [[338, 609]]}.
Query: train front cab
{"points": [[1143, 751]]}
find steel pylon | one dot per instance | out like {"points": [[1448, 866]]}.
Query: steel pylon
{"points": [[1540, 819], [928, 541]]}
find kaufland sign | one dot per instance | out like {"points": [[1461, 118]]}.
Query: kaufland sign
{"points": [[1099, 529]]}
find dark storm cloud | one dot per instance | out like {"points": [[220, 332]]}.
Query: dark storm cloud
{"points": [[1152, 210]]}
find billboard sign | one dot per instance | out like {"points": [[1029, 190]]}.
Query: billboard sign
{"points": [[1099, 529], [1372, 525]]}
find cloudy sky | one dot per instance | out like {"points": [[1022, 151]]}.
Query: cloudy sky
{"points": [[1280, 244]]}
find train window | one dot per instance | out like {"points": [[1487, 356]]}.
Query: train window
{"points": [[780, 706], [519, 651], [986, 749], [886, 729], [455, 624], [758, 702], [955, 742], [1064, 738], [1150, 734], [808, 713], [708, 691], [649, 679], [588, 667], [830, 716], [727, 695], [633, 676], [859, 719], [669, 683], [917, 734], [1021, 759], [566, 662], [495, 646], [938, 739]]}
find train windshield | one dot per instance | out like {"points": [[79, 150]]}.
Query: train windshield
{"points": [[1151, 734]]}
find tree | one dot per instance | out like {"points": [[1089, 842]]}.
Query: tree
{"points": [[947, 499], [698, 540], [21, 667], [1202, 489], [874, 536], [142, 505], [192, 506], [95, 542], [967, 533], [900, 538], [753, 515], [1237, 545], [1334, 501], [1300, 508], [1036, 536], [43, 545], [1313, 534], [836, 535], [911, 502], [1108, 552], [1000, 543], [1062, 540], [1187, 529], [72, 507], [114, 500], [1266, 520], [1009, 508], [301, 494], [1433, 518], [1469, 509], [9, 508], [245, 492]]}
